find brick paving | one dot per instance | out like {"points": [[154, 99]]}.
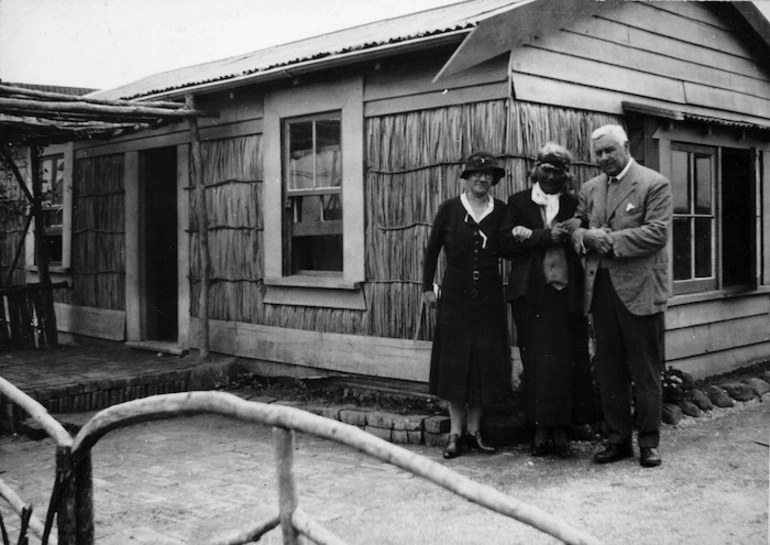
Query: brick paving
{"points": [[92, 377]]}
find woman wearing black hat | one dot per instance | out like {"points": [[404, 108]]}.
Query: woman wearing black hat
{"points": [[544, 289], [470, 365]]}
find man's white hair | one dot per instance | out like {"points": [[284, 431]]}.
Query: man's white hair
{"points": [[615, 131]]}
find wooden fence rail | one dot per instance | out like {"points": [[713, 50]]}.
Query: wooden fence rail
{"points": [[74, 501]]}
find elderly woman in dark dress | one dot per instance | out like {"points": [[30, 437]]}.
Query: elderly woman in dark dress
{"points": [[544, 289], [470, 364]]}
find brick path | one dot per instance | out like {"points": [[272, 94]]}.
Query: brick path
{"points": [[182, 480]]}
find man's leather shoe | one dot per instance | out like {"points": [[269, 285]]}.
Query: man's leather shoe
{"points": [[475, 441], [613, 452], [649, 457], [452, 449]]}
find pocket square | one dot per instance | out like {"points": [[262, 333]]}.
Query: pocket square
{"points": [[630, 206]]}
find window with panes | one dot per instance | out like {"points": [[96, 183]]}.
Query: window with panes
{"points": [[52, 180], [312, 151]]}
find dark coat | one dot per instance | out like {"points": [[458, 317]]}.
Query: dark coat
{"points": [[527, 278], [551, 330], [471, 337]]}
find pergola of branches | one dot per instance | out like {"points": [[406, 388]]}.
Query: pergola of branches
{"points": [[33, 119]]}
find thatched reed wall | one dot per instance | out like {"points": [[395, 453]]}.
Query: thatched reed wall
{"points": [[98, 233], [413, 163], [232, 171]]}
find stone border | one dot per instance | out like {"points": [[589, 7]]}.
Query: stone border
{"points": [[723, 396]]}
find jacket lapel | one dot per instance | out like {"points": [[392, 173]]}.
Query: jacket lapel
{"points": [[600, 202], [627, 186]]}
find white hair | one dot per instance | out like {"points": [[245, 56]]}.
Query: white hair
{"points": [[615, 131]]}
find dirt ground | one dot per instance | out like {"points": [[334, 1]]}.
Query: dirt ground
{"points": [[175, 481]]}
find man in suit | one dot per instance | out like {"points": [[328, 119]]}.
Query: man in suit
{"points": [[625, 215]]}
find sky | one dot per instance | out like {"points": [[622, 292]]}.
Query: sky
{"points": [[106, 43]]}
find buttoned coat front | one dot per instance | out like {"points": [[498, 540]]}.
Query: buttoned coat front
{"points": [[470, 348], [638, 218]]}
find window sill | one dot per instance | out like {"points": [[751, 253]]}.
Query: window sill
{"points": [[312, 281], [312, 291], [54, 269], [729, 293]]}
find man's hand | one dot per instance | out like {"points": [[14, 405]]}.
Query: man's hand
{"points": [[599, 240], [570, 225], [429, 299], [521, 233]]}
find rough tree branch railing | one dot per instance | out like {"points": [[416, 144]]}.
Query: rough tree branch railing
{"points": [[285, 420]]}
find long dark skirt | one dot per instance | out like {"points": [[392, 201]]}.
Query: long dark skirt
{"points": [[470, 360], [553, 344]]}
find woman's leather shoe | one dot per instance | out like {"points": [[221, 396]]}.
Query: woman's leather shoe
{"points": [[475, 441], [452, 449]]}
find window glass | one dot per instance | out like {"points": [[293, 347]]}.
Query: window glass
{"points": [[52, 180], [694, 218], [313, 182], [680, 190], [682, 249], [703, 265], [702, 184]]}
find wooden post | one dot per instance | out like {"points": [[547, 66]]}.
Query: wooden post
{"points": [[67, 521], [287, 492], [84, 499], [46, 321], [203, 229]]}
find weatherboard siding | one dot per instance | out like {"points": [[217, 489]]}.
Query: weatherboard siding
{"points": [[679, 56]]}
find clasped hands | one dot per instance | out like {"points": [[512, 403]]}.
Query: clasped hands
{"points": [[559, 231], [599, 240]]}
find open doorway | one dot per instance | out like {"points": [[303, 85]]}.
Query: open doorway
{"points": [[158, 243], [738, 219]]}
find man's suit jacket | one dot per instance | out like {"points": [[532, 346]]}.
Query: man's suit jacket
{"points": [[639, 219], [527, 278]]}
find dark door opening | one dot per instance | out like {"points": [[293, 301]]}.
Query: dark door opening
{"points": [[158, 198], [738, 218]]}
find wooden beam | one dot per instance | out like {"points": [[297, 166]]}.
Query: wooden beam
{"points": [[203, 235], [68, 126], [37, 106], [12, 90]]}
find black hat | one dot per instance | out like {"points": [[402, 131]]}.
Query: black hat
{"points": [[556, 157], [482, 161]]}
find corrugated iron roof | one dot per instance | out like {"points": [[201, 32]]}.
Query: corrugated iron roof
{"points": [[727, 122], [74, 91], [399, 30]]}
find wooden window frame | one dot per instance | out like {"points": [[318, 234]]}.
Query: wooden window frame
{"points": [[710, 283], [65, 152], [322, 290], [294, 195]]}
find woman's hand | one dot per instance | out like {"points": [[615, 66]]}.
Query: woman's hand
{"points": [[558, 233], [521, 233], [429, 299]]}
